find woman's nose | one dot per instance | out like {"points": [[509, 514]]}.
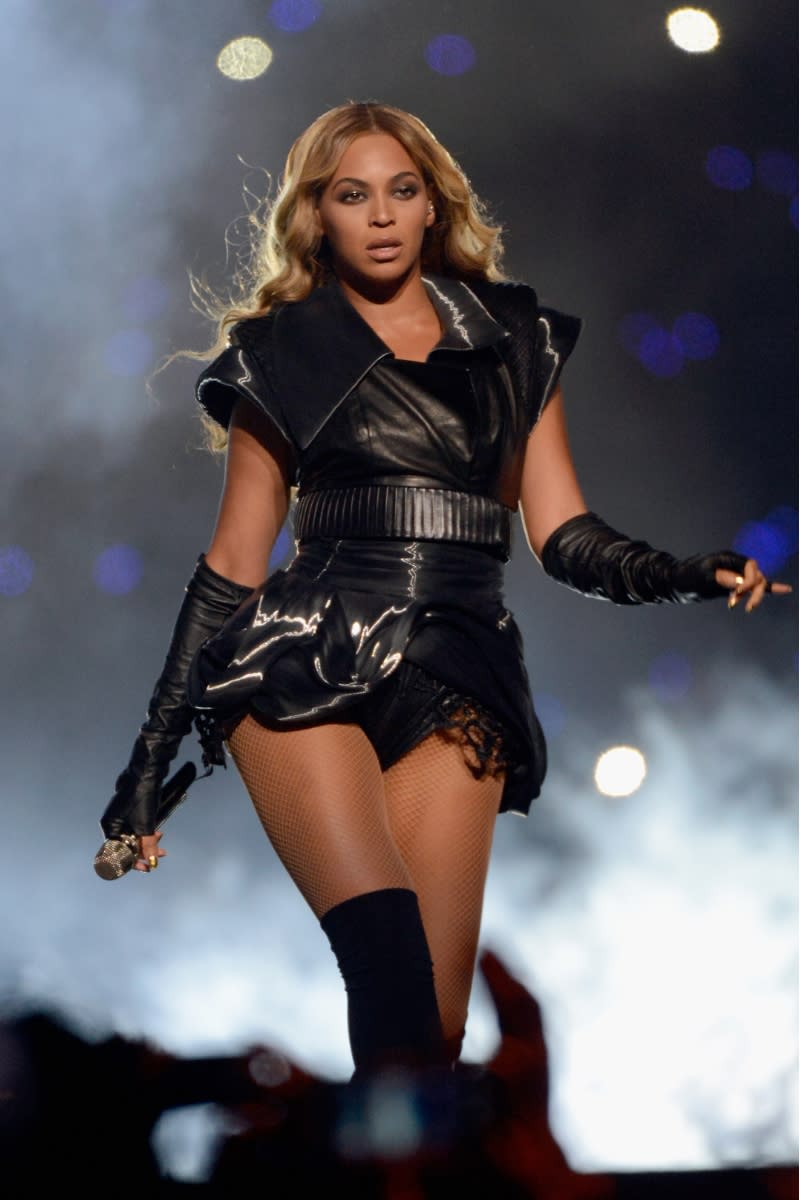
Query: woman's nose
{"points": [[381, 212]]}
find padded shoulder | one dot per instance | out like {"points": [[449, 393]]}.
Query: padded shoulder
{"points": [[542, 340], [514, 305], [556, 336], [242, 369]]}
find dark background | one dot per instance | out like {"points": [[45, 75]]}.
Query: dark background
{"points": [[658, 931]]}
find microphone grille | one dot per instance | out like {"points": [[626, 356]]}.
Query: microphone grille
{"points": [[114, 859]]}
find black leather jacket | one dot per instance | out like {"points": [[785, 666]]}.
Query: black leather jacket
{"points": [[352, 413]]}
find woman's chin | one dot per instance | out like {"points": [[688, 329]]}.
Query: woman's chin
{"points": [[386, 275]]}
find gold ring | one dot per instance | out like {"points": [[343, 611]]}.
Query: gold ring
{"points": [[152, 862]]}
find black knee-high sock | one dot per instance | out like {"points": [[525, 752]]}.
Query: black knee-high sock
{"points": [[380, 945]]}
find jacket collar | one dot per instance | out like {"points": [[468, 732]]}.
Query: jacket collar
{"points": [[321, 348]]}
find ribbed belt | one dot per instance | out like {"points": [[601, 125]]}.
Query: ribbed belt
{"points": [[390, 511]]}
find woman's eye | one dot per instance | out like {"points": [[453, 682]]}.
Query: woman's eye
{"points": [[347, 197]]}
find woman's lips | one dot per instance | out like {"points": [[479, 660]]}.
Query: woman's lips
{"points": [[384, 253]]}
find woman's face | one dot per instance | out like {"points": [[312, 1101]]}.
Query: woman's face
{"points": [[374, 212]]}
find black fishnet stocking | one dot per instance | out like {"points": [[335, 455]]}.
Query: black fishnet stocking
{"points": [[342, 828], [442, 816], [319, 794]]}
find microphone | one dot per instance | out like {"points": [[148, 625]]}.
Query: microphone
{"points": [[117, 855]]}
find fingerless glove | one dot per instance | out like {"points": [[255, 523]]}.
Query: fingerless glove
{"points": [[590, 557], [210, 599]]}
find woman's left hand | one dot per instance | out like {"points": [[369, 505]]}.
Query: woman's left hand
{"points": [[753, 583]]}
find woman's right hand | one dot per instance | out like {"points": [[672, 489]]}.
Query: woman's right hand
{"points": [[150, 852]]}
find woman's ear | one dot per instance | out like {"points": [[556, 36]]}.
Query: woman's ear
{"points": [[317, 219], [430, 215]]}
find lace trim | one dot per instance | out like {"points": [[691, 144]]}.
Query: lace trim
{"points": [[211, 735], [482, 737]]}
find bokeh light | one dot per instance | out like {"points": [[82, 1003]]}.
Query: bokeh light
{"points": [[670, 676], [450, 54], [693, 30], [777, 172], [697, 335], [145, 299], [661, 353], [294, 15], [244, 58], [129, 352], [729, 168], [620, 771], [16, 571], [772, 541], [551, 713], [284, 544], [118, 569]]}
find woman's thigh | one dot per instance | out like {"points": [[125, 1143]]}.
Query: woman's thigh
{"points": [[319, 794]]}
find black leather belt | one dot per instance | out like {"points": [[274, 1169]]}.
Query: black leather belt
{"points": [[389, 511]]}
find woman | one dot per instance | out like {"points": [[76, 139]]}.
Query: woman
{"points": [[373, 694]]}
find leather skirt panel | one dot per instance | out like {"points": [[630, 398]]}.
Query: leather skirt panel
{"points": [[329, 632]]}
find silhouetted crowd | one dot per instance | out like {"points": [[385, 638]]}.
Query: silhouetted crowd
{"points": [[81, 1115]]}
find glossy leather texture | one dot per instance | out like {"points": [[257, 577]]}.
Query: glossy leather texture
{"points": [[325, 633], [322, 634], [590, 557], [135, 806], [352, 412]]}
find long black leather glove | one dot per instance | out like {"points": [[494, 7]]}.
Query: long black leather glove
{"points": [[590, 557], [210, 600]]}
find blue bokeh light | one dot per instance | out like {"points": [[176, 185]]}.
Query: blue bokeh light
{"points": [[145, 299], [129, 352], [772, 541], [670, 676], [16, 571], [697, 335], [551, 713], [118, 569], [294, 15], [661, 353], [777, 172], [450, 54], [284, 544], [729, 168]]}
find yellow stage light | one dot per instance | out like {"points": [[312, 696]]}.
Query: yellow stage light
{"points": [[693, 30], [244, 58]]}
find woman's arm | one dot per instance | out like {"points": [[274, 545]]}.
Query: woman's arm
{"points": [[252, 508], [255, 497], [578, 549], [549, 493]]}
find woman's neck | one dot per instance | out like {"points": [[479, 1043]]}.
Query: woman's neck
{"points": [[403, 317]]}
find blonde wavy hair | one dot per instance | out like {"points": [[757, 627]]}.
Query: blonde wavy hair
{"points": [[287, 258]]}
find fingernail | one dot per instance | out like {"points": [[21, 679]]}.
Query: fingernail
{"points": [[732, 600]]}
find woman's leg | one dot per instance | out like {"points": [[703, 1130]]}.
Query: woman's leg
{"points": [[319, 794], [442, 814]]}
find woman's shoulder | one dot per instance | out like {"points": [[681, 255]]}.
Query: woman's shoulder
{"points": [[513, 303]]}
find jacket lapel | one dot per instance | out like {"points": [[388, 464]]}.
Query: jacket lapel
{"points": [[321, 348]]}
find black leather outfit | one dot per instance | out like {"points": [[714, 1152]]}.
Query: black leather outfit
{"points": [[391, 613]]}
